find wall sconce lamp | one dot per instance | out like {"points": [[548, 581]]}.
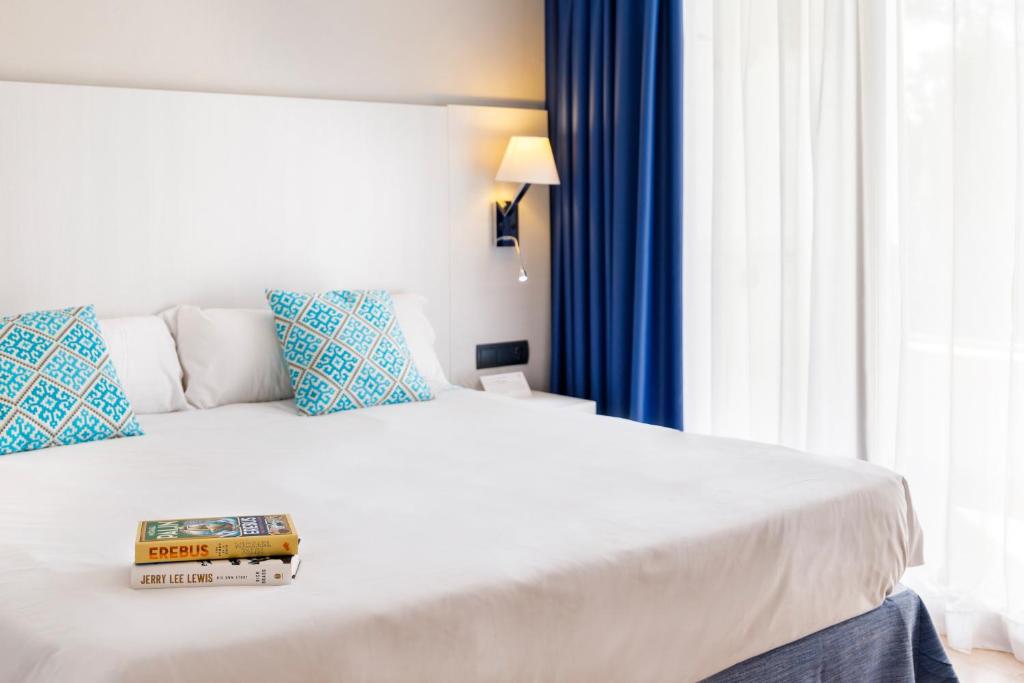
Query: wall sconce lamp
{"points": [[528, 161]]}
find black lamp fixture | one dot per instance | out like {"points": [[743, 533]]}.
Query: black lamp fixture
{"points": [[528, 161]]}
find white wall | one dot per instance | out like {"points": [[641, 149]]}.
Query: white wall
{"points": [[488, 303], [418, 51], [412, 51]]}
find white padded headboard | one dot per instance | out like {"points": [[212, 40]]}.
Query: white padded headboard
{"points": [[136, 200]]}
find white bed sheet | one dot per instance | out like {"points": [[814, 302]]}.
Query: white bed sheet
{"points": [[467, 538]]}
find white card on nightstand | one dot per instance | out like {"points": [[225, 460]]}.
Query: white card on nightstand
{"points": [[512, 384]]}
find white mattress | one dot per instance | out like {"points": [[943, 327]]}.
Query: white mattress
{"points": [[465, 539]]}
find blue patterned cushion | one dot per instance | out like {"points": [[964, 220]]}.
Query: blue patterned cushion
{"points": [[345, 350], [58, 385]]}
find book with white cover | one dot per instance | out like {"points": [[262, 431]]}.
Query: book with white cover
{"points": [[246, 571]]}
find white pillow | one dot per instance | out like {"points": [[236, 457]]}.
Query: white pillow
{"points": [[229, 355], [419, 335], [142, 350]]}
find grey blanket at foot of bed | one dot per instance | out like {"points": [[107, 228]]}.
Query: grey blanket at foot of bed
{"points": [[894, 643]]}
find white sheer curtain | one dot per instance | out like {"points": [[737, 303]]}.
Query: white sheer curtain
{"points": [[855, 262]]}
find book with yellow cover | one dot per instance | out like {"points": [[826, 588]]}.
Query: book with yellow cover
{"points": [[215, 538]]}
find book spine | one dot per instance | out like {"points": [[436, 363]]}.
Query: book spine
{"points": [[200, 574], [190, 550]]}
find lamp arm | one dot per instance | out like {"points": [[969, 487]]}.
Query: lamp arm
{"points": [[519, 255], [515, 201], [515, 243]]}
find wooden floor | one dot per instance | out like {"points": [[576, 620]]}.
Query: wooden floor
{"points": [[986, 666]]}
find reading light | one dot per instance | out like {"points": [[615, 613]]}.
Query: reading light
{"points": [[523, 277], [528, 161]]}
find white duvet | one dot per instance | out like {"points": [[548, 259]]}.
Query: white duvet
{"points": [[470, 538]]}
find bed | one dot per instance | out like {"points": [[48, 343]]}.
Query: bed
{"points": [[468, 538], [472, 537]]}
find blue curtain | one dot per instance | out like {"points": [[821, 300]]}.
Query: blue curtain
{"points": [[614, 97]]}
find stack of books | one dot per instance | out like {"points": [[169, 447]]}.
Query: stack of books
{"points": [[253, 550]]}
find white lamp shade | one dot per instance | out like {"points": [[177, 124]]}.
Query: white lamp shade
{"points": [[528, 160]]}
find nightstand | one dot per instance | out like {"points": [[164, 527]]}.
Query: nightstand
{"points": [[543, 399]]}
